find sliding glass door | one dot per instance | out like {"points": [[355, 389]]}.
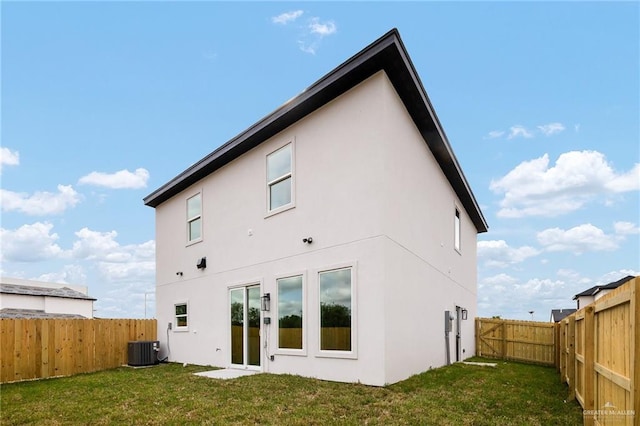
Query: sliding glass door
{"points": [[245, 326]]}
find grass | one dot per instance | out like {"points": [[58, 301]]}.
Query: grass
{"points": [[511, 394]]}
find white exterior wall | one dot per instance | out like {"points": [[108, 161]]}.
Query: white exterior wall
{"points": [[583, 301], [423, 267], [20, 301], [356, 185], [60, 305]]}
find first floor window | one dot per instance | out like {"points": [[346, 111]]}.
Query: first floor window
{"points": [[194, 218], [336, 320], [290, 312], [181, 315]]}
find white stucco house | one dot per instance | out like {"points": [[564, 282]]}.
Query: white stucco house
{"points": [[345, 208], [594, 293], [20, 298]]}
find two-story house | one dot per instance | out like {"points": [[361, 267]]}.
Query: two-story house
{"points": [[335, 238]]}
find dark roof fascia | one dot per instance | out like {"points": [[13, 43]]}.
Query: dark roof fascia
{"points": [[588, 292], [388, 53], [610, 286], [616, 284]]}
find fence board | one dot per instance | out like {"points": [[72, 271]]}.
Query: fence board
{"points": [[606, 377], [527, 341], [40, 348]]}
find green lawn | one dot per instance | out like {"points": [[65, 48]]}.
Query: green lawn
{"points": [[511, 394]]}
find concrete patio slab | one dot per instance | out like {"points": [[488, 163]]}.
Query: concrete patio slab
{"points": [[226, 373]]}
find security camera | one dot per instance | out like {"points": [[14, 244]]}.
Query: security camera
{"points": [[307, 240]]}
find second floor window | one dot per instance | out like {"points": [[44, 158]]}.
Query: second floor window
{"points": [[194, 218], [456, 231], [279, 178]]}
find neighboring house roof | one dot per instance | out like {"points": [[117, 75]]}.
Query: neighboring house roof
{"points": [[34, 314], [387, 53], [558, 315], [588, 292], [595, 289], [64, 292]]}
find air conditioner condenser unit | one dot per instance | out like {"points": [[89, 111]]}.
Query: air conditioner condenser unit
{"points": [[143, 352]]}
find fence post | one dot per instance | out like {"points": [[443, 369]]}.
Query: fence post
{"points": [[571, 357], [635, 353], [556, 345], [589, 372], [504, 339], [478, 346]]}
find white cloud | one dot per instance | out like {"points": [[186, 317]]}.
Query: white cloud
{"points": [[70, 274], [8, 157], [626, 228], [513, 298], [323, 29], [312, 32], [519, 131], [123, 179], [629, 181], [613, 276], [30, 243], [551, 128], [578, 240], [130, 271], [40, 203], [95, 245], [287, 17], [497, 253], [494, 134], [534, 189]]}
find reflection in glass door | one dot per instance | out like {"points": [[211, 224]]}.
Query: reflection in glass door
{"points": [[245, 326]]}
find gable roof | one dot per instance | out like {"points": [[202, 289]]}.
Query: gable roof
{"points": [[611, 286], [388, 53], [64, 292]]}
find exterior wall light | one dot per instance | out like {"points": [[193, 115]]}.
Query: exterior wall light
{"points": [[265, 302], [464, 314], [202, 263]]}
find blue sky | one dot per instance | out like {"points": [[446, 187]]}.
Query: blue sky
{"points": [[103, 102]]}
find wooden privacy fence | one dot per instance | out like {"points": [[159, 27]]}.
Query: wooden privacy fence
{"points": [[40, 348], [600, 357], [527, 341]]}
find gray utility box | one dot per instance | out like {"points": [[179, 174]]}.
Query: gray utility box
{"points": [[144, 352]]}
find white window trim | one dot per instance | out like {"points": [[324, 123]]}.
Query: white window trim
{"points": [[176, 328], [353, 353], [457, 227], [191, 219], [291, 174], [305, 316]]}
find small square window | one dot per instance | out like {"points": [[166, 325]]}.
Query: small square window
{"points": [[181, 315]]}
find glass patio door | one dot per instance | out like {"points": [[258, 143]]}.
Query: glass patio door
{"points": [[245, 326]]}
